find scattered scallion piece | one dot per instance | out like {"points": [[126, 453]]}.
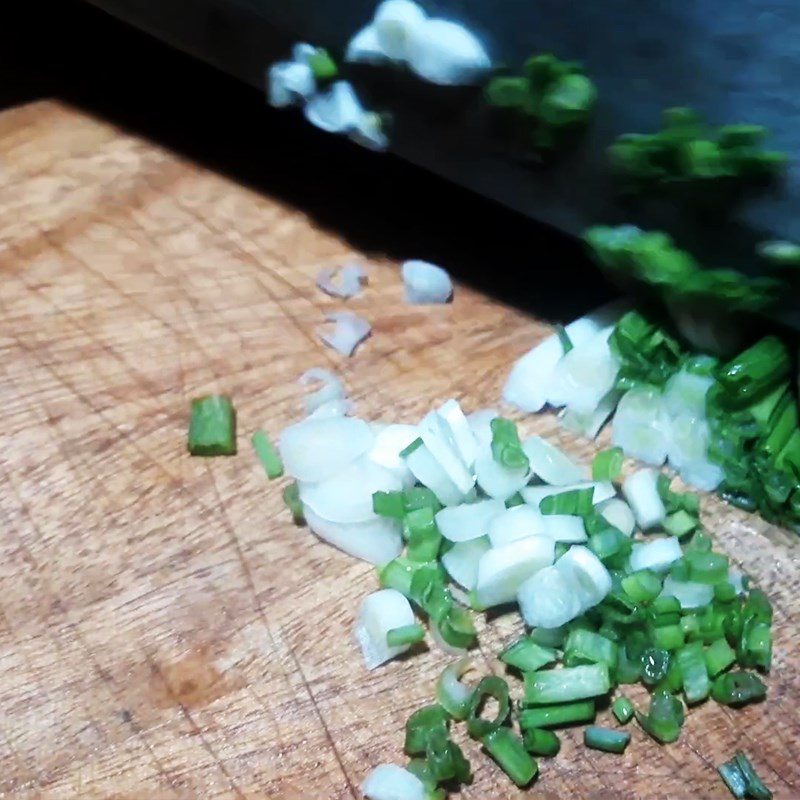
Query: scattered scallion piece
{"points": [[322, 65], [622, 708], [576, 502], [607, 464], [388, 504], [664, 719], [212, 427], [541, 742], [407, 451], [507, 749], [692, 663], [605, 739], [738, 688], [506, 446], [719, 656], [490, 686], [563, 685], [421, 725], [733, 777], [267, 454], [407, 634], [291, 497], [755, 787], [526, 655]]}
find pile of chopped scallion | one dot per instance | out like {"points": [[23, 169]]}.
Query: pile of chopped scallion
{"points": [[616, 581]]}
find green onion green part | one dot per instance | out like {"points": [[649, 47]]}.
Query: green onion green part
{"points": [[507, 749], [622, 708], [407, 634], [267, 454], [212, 426], [605, 739], [506, 446], [556, 716], [526, 655], [540, 742], [291, 497], [607, 464]]}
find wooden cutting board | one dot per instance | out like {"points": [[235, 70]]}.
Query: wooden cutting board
{"points": [[165, 632]]}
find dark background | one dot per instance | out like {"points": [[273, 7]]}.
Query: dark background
{"points": [[76, 52]]}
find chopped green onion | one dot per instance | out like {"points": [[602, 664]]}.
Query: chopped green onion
{"points": [[526, 655], [557, 716], [668, 637], [576, 502], [420, 497], [655, 664], [406, 634], [681, 523], [622, 708], [756, 371], [733, 777], [421, 725], [587, 647], [291, 497], [267, 454], [563, 338], [445, 758], [755, 647], [607, 464], [719, 656], [506, 446], [707, 567], [388, 504], [541, 742], [451, 694], [457, 627], [691, 660], [755, 786], [664, 719], [507, 749], [562, 685], [490, 686], [422, 535], [642, 586], [738, 688], [515, 500], [407, 451], [605, 739], [322, 65], [423, 771], [212, 427]]}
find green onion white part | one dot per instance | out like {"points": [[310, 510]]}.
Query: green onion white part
{"points": [[349, 330], [394, 22], [452, 695], [587, 575], [515, 523], [381, 612], [590, 424], [656, 555], [467, 521], [290, 82], [550, 464], [502, 570], [426, 284], [641, 492], [564, 528], [377, 541], [619, 514], [461, 561], [641, 426], [390, 782], [496, 480], [548, 599], [603, 490], [390, 441]]}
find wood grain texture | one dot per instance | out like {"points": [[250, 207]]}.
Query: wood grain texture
{"points": [[164, 630]]}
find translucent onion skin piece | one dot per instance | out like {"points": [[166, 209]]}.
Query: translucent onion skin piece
{"points": [[348, 332], [332, 388], [451, 694], [390, 782], [381, 612]]}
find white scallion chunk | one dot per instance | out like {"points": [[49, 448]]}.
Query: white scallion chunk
{"points": [[429, 472], [467, 521], [502, 570], [288, 83], [641, 426], [656, 555], [461, 561], [316, 449], [550, 464], [480, 422], [395, 22], [548, 599], [446, 53], [495, 479], [458, 431], [389, 442], [381, 612], [641, 492], [564, 528], [378, 541], [587, 574], [618, 513], [426, 284], [515, 523], [390, 782]]}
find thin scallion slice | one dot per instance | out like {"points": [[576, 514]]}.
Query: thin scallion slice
{"points": [[607, 464], [423, 724], [755, 787], [267, 454], [507, 749], [212, 426], [576, 502], [490, 686], [605, 739], [733, 777], [407, 634], [451, 694], [691, 660]]}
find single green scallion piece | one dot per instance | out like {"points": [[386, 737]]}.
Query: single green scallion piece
{"points": [[556, 716], [212, 427], [664, 719], [526, 655], [563, 685], [421, 725], [267, 454], [622, 708], [737, 688], [494, 687], [576, 502], [733, 777], [322, 65], [605, 739], [719, 656], [607, 464], [291, 497], [541, 742], [691, 660], [508, 750], [506, 446], [406, 634]]}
